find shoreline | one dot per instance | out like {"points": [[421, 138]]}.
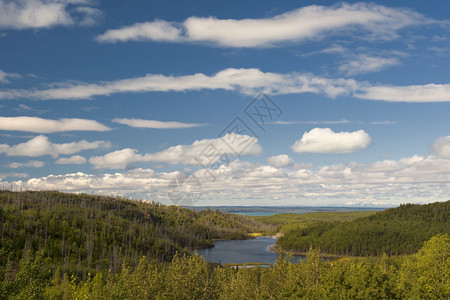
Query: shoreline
{"points": [[274, 248]]}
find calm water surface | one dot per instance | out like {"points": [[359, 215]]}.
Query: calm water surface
{"points": [[261, 213], [242, 251]]}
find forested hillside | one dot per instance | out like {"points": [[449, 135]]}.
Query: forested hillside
{"points": [[86, 233], [288, 221], [424, 275], [400, 230]]}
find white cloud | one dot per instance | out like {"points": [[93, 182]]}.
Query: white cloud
{"points": [[180, 154], [280, 161], [284, 161], [39, 125], [30, 164], [416, 178], [156, 31], [324, 140], [441, 147], [343, 121], [364, 63], [4, 77], [155, 124], [40, 146], [246, 81], [385, 122], [306, 23], [88, 16], [118, 159], [362, 59], [24, 107], [12, 175], [412, 93], [73, 160], [25, 14]]}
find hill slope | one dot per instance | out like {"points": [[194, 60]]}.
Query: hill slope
{"points": [[85, 233], [401, 230]]}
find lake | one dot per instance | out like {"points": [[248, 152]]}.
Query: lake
{"points": [[260, 213], [242, 251]]}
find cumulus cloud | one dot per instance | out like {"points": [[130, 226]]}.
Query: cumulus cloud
{"points": [[155, 124], [306, 23], [180, 154], [280, 161], [73, 160], [441, 147], [118, 159], [30, 164], [39, 125], [40, 146], [324, 140], [416, 178], [25, 14]]}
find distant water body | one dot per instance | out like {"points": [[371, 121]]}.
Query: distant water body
{"points": [[242, 251], [272, 210], [260, 213]]}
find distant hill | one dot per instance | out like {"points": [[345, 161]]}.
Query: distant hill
{"points": [[86, 233], [400, 230]]}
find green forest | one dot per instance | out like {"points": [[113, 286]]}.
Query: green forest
{"points": [[65, 246], [395, 231], [424, 275], [288, 221], [83, 234]]}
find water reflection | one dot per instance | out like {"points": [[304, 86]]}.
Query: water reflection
{"points": [[242, 251]]}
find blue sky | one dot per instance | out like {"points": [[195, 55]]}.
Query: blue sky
{"points": [[122, 98]]}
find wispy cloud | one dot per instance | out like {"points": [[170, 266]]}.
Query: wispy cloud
{"points": [[245, 81], [412, 93], [385, 122], [25, 14], [343, 121], [157, 30], [13, 175], [306, 23], [4, 77], [30, 164], [155, 124], [364, 63], [73, 160], [41, 145], [39, 125]]}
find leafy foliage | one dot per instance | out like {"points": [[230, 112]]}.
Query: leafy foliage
{"points": [[400, 230], [288, 221], [424, 275], [64, 246], [84, 234]]}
